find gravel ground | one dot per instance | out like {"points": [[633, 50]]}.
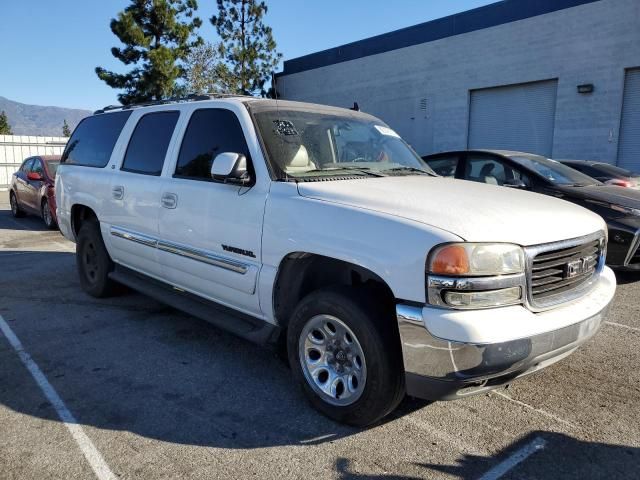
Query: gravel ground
{"points": [[162, 395]]}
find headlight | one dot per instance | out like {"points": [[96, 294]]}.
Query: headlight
{"points": [[627, 210], [476, 259]]}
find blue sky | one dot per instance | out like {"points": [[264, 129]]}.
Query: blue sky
{"points": [[50, 48]]}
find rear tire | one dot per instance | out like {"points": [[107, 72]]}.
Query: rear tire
{"points": [[344, 349], [47, 216], [16, 211], [93, 261]]}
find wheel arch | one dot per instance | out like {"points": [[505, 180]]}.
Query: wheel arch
{"points": [[81, 213], [300, 273]]}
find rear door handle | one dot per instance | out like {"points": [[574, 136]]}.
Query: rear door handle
{"points": [[117, 192], [169, 200]]}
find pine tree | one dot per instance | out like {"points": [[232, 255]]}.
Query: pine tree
{"points": [[247, 44], [5, 128], [66, 131], [157, 37], [206, 72]]}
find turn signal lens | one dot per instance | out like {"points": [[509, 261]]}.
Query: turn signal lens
{"points": [[495, 298], [477, 259], [450, 260]]}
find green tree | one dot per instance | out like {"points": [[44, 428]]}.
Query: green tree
{"points": [[206, 72], [66, 131], [247, 45], [5, 128], [157, 37]]}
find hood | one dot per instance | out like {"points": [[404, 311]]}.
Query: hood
{"points": [[475, 212], [627, 197]]}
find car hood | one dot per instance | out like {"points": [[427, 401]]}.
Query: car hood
{"points": [[475, 212], [607, 194]]}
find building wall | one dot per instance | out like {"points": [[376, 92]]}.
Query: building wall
{"points": [[591, 43], [15, 148]]}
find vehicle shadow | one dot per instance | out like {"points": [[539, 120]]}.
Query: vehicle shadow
{"points": [[28, 222], [132, 364], [625, 277], [538, 455]]}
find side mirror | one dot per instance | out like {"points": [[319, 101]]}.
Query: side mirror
{"points": [[229, 167], [34, 176], [515, 183]]}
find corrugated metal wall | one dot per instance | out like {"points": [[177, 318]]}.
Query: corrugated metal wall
{"points": [[15, 148], [629, 146]]}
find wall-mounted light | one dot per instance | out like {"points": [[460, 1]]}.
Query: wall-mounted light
{"points": [[586, 88]]}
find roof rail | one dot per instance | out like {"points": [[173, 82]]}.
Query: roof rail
{"points": [[194, 97]]}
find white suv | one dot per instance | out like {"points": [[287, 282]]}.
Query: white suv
{"points": [[321, 231]]}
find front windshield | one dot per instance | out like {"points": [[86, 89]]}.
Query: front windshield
{"points": [[52, 166], [305, 144], [554, 171]]}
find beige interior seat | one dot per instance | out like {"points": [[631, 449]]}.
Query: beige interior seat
{"points": [[299, 162]]}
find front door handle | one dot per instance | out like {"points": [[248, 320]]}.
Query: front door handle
{"points": [[117, 192], [169, 200]]}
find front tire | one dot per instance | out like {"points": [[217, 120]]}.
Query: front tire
{"points": [[16, 211], [47, 216], [93, 261], [345, 352]]}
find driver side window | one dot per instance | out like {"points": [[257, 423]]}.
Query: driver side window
{"points": [[492, 171]]}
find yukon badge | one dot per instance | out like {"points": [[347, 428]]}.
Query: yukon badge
{"points": [[239, 251]]}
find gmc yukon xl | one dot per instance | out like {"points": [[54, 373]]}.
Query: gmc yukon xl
{"points": [[319, 230]]}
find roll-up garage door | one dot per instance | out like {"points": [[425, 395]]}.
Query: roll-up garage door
{"points": [[629, 146], [516, 117]]}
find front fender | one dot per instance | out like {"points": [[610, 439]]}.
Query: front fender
{"points": [[393, 248]]}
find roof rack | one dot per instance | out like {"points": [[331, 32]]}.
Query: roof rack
{"points": [[189, 98]]}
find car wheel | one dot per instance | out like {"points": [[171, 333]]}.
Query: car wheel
{"points": [[346, 354], [16, 211], [46, 214], [93, 261]]}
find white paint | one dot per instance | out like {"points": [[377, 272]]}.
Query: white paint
{"points": [[623, 326], [538, 410], [89, 450], [516, 458]]}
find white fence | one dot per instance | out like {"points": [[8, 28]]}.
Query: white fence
{"points": [[15, 148]]}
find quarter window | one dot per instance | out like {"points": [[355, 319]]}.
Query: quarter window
{"points": [[209, 133], [149, 142], [93, 140]]}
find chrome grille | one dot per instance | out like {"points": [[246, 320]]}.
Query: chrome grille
{"points": [[559, 272]]}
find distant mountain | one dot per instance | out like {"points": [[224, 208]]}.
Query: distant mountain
{"points": [[36, 120]]}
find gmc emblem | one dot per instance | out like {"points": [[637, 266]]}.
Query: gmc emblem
{"points": [[577, 267]]}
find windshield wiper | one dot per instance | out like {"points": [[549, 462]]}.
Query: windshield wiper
{"points": [[363, 170], [409, 169]]}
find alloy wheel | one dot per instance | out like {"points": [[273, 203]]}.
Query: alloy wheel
{"points": [[332, 360]]}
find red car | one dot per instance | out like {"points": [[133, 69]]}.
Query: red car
{"points": [[32, 188]]}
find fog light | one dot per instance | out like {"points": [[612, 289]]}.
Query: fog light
{"points": [[490, 298]]}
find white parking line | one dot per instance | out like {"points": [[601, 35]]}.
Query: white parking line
{"points": [[89, 450], [520, 456], [623, 326], [538, 410]]}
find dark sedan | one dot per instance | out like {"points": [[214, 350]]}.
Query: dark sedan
{"points": [[620, 207], [32, 189], [606, 173]]}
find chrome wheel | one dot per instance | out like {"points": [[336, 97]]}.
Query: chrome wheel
{"points": [[332, 360]]}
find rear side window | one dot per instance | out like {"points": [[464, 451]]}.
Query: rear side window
{"points": [[93, 140], [149, 142], [209, 133], [444, 166]]}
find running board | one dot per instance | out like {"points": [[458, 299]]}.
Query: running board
{"points": [[242, 325]]}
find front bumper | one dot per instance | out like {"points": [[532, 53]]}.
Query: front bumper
{"points": [[470, 361]]}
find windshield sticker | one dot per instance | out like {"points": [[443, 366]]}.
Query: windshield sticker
{"points": [[386, 131], [285, 127]]}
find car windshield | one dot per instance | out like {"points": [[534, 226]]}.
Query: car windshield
{"points": [[554, 171], [52, 167], [307, 144]]}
